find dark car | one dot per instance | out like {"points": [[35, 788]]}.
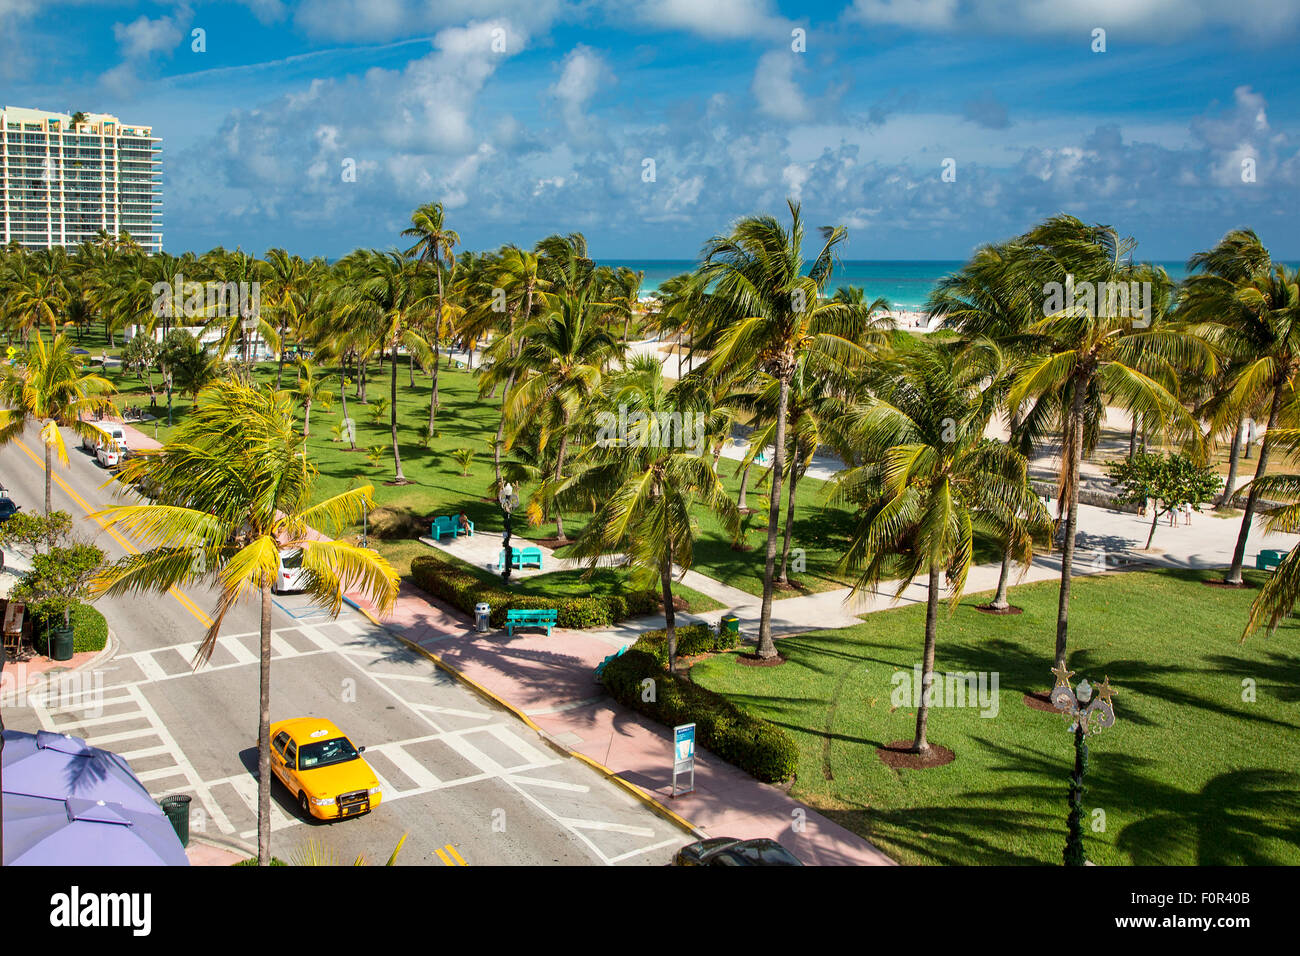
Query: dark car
{"points": [[8, 508], [728, 851]]}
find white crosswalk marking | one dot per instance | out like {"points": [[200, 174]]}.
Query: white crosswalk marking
{"points": [[238, 651], [404, 762]]}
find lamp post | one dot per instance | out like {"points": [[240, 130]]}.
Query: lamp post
{"points": [[1086, 717], [509, 501]]}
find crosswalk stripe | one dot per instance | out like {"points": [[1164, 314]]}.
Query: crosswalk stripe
{"points": [[419, 774], [150, 668], [238, 651], [282, 648]]}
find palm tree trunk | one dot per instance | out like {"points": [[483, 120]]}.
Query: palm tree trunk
{"points": [[49, 478], [1133, 437], [789, 517], [1239, 554], [437, 343], [264, 736], [1071, 521], [744, 488], [919, 744], [306, 419], [1000, 600], [1229, 487], [343, 390], [392, 420], [559, 470], [766, 646], [279, 371], [670, 622], [501, 429]]}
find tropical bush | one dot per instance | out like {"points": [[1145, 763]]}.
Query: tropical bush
{"points": [[692, 639], [753, 744]]}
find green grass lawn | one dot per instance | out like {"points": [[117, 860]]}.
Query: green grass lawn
{"points": [[1190, 774]]}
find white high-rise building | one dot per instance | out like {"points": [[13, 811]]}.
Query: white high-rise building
{"points": [[62, 182]]}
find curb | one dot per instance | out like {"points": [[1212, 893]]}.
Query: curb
{"points": [[631, 788]]}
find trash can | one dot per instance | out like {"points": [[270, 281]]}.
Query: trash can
{"points": [[730, 623], [482, 616], [177, 809], [61, 643]]}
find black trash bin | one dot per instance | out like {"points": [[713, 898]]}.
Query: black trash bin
{"points": [[61, 643], [177, 809]]}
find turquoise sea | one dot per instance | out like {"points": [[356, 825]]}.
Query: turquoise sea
{"points": [[904, 282]]}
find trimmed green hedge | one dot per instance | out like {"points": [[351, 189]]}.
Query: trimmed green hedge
{"points": [[753, 744], [89, 631], [692, 639], [461, 588]]}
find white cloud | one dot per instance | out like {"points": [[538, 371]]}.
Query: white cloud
{"points": [[1143, 19], [143, 37], [583, 73], [712, 18], [774, 87], [369, 20]]}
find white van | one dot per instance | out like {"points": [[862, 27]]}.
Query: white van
{"points": [[291, 576], [111, 432]]}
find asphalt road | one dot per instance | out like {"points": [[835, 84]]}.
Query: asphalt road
{"points": [[461, 777]]}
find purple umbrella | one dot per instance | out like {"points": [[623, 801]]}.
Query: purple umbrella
{"points": [[67, 803]]}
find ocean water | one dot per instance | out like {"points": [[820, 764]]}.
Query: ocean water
{"points": [[906, 283]]}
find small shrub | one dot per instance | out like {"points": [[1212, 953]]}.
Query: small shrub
{"points": [[376, 453], [378, 409], [89, 630], [692, 639]]}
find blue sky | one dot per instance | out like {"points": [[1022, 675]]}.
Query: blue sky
{"points": [[553, 133]]}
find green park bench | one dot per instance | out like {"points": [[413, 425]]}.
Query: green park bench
{"points": [[447, 524], [531, 618], [1268, 560], [520, 558]]}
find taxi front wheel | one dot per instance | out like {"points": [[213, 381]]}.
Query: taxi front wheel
{"points": [[306, 807]]}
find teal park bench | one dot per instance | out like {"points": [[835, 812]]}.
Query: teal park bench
{"points": [[520, 558], [531, 618], [1268, 560], [447, 524]]}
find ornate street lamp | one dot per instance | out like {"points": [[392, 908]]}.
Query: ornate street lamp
{"points": [[1086, 716], [509, 501]]}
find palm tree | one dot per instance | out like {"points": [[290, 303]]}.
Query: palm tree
{"points": [[233, 490], [931, 481], [50, 388], [389, 291], [1277, 598], [647, 484], [310, 388], [1253, 314], [433, 246], [762, 313], [557, 368], [1086, 354]]}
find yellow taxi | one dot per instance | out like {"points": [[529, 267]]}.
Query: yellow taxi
{"points": [[321, 768]]}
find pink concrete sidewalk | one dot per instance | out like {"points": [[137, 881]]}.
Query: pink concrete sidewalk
{"points": [[552, 681]]}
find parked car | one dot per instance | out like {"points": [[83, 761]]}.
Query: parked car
{"points": [[291, 576], [728, 851], [322, 769], [8, 508]]}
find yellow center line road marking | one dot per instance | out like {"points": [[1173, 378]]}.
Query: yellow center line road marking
{"points": [[447, 860], [181, 597]]}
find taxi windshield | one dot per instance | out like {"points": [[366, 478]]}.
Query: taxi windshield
{"points": [[326, 752]]}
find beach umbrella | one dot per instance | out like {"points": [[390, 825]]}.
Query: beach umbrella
{"points": [[68, 803]]}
